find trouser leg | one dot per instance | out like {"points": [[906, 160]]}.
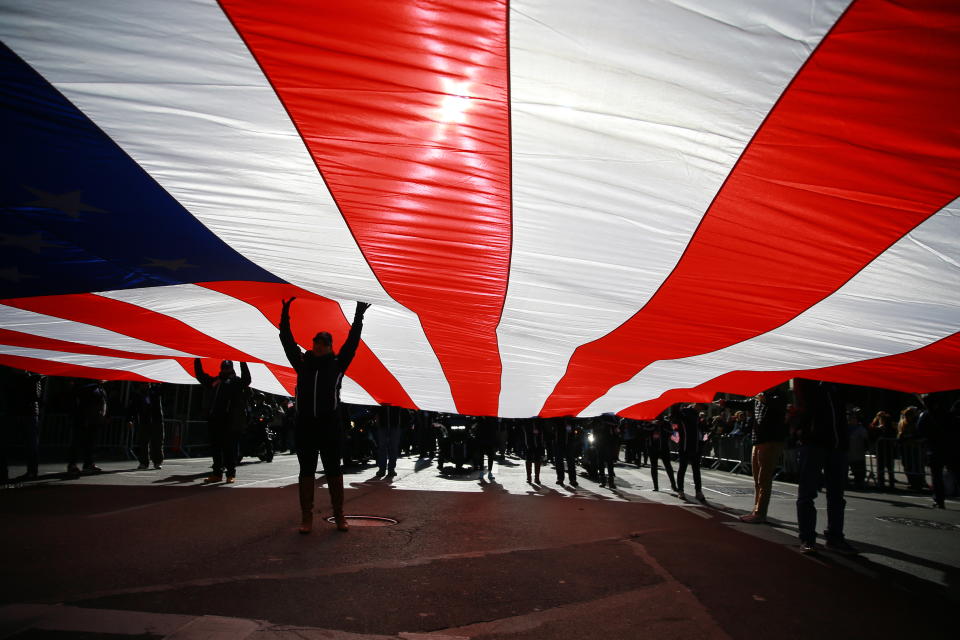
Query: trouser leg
{"points": [[394, 452], [669, 469], [654, 471], [156, 442], [231, 440], [835, 471], [383, 446], [681, 471], [810, 463], [755, 472], [142, 438], [765, 459], [695, 467]]}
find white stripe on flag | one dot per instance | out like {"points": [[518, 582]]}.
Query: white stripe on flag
{"points": [[263, 379], [626, 120], [405, 352], [907, 298], [174, 85], [158, 370], [39, 324]]}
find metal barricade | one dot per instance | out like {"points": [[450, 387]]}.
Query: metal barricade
{"points": [[194, 436], [733, 451]]}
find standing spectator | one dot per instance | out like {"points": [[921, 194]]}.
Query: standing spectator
{"points": [[658, 444], [608, 448], [687, 420], [388, 441], [487, 443], [857, 453], [911, 453], [532, 433], [769, 434], [23, 404], [884, 436], [935, 425], [90, 413], [227, 415], [319, 428], [145, 416], [823, 450], [568, 445]]}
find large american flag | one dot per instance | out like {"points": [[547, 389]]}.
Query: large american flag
{"points": [[556, 207]]}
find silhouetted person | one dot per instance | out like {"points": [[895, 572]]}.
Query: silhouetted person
{"points": [[533, 444], [319, 428], [769, 436], [657, 434], [607, 436], [388, 440], [145, 415], [687, 419], [90, 413], [23, 402], [823, 437], [935, 426], [227, 417], [568, 445], [487, 442]]}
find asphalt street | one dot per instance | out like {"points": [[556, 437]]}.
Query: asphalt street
{"points": [[158, 554]]}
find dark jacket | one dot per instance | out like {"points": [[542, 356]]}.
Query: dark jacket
{"points": [[770, 416], [146, 406], [687, 420], [228, 395], [91, 402], [319, 377], [822, 414]]}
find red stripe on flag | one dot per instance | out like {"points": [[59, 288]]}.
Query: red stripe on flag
{"points": [[935, 367], [404, 107], [52, 368], [30, 341], [129, 320], [309, 315], [860, 149]]}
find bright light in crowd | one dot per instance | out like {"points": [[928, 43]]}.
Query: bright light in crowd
{"points": [[455, 103]]}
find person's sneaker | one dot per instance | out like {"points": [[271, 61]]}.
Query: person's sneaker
{"points": [[808, 547], [73, 469], [560, 481], [142, 466], [379, 474], [92, 468], [841, 546], [701, 497], [681, 495], [391, 474], [938, 505], [753, 518], [490, 475], [158, 466], [216, 477], [231, 479]]}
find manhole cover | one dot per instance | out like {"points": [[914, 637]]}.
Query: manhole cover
{"points": [[366, 521], [918, 522]]}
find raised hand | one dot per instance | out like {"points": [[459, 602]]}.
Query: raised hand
{"points": [[362, 308]]}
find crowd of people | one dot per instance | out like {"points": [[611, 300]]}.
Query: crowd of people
{"points": [[804, 428]]}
